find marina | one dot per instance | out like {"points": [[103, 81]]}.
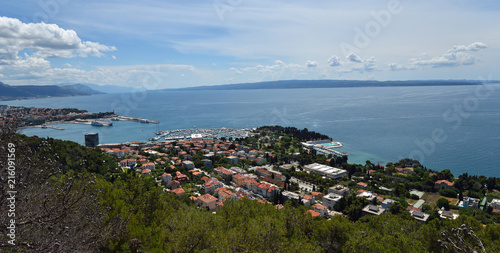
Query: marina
{"points": [[201, 133]]}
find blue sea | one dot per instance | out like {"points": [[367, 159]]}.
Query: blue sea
{"points": [[452, 127]]}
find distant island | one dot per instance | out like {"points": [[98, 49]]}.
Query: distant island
{"points": [[302, 84]]}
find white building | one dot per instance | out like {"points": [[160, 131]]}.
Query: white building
{"points": [[373, 210], [495, 203], [327, 171], [331, 199], [188, 165], [339, 190]]}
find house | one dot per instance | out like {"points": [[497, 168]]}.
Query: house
{"points": [[238, 179], [331, 199], [174, 184], [420, 216], [232, 159], [412, 208], [145, 172], [470, 202], [366, 194], [188, 165], [207, 163], [130, 163], [287, 195], [362, 184], [211, 185], [263, 172], [444, 184], [495, 203], [181, 177], [249, 184], [373, 210], [225, 193], [207, 201], [339, 190], [166, 177], [307, 200], [278, 176], [150, 166], [447, 215], [317, 195], [265, 189], [323, 210], [223, 172], [178, 191], [406, 170], [313, 213]]}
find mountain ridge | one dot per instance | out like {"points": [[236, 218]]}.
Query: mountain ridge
{"points": [[10, 92], [299, 84]]}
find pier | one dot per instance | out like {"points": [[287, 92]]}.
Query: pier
{"points": [[330, 151], [140, 120], [51, 127]]}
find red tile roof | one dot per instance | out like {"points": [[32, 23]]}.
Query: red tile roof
{"points": [[362, 184], [178, 191], [320, 207], [412, 208], [313, 213], [445, 181], [207, 198]]}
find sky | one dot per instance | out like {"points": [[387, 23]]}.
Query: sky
{"points": [[156, 44]]}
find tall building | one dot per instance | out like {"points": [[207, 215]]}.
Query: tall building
{"points": [[91, 140]]}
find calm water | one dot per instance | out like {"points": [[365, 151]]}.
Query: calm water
{"points": [[456, 128]]}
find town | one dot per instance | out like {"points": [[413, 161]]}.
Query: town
{"points": [[277, 165]]}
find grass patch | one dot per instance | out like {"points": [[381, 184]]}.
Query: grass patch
{"points": [[411, 202], [431, 199]]}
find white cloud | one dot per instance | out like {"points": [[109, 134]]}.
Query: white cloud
{"points": [[353, 57], [456, 56], [334, 61], [396, 67], [48, 41], [476, 46], [311, 64]]}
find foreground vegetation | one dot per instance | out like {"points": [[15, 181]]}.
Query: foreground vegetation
{"points": [[74, 199]]}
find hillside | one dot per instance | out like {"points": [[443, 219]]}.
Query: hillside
{"points": [[298, 84], [103, 88], [76, 199], [10, 92]]}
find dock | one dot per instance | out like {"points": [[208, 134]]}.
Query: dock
{"points": [[51, 127], [140, 120], [330, 151]]}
